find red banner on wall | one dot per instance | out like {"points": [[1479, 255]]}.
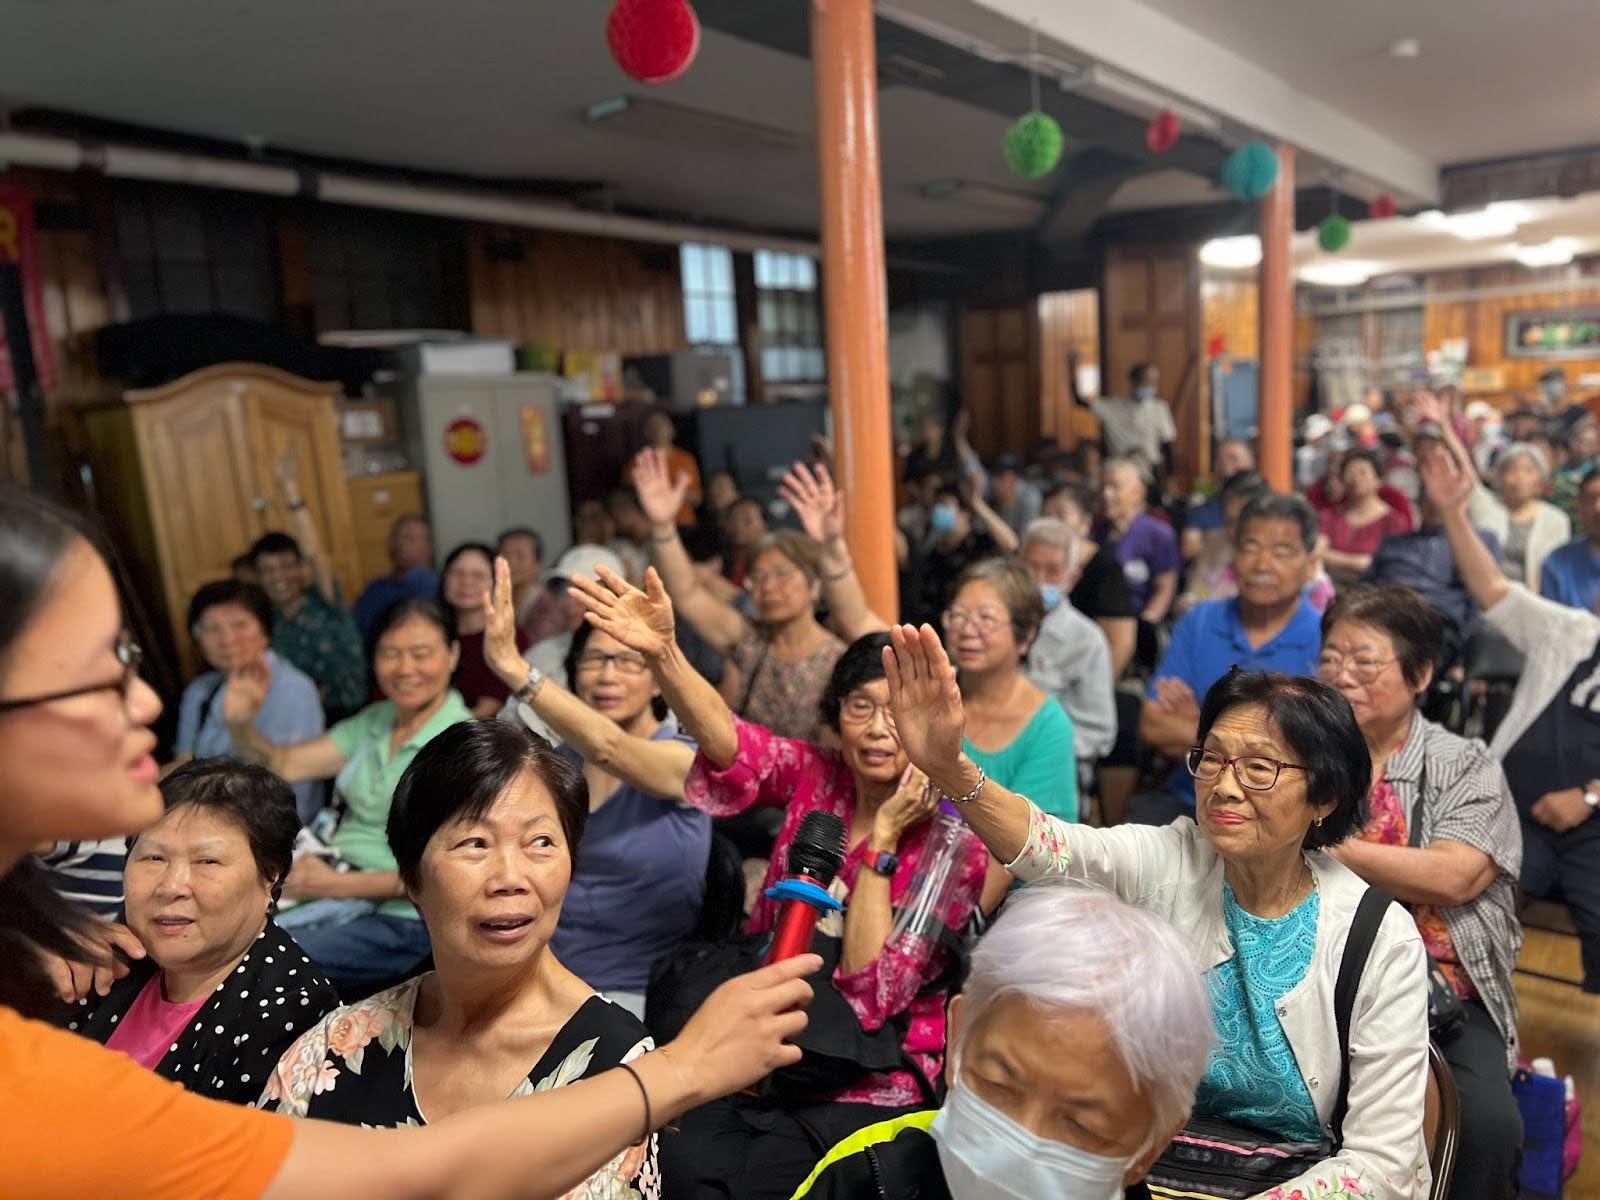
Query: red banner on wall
{"points": [[19, 246]]}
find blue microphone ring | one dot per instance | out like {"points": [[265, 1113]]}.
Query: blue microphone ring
{"points": [[804, 890]]}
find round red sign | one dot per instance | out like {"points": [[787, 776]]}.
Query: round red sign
{"points": [[465, 440]]}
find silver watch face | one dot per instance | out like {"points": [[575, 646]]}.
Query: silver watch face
{"points": [[1591, 798]]}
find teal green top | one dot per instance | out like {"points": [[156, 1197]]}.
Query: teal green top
{"points": [[1253, 1076], [368, 781], [1039, 763]]}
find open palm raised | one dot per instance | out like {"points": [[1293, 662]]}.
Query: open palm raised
{"points": [[661, 495], [640, 620], [928, 714]]}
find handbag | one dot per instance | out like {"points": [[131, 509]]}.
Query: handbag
{"points": [[1216, 1159]]}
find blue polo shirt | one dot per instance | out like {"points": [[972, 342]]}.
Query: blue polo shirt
{"points": [[1571, 575], [1209, 639]]}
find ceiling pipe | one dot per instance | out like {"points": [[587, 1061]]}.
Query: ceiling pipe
{"points": [[332, 187]]}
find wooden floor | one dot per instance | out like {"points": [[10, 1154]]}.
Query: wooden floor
{"points": [[1560, 1022]]}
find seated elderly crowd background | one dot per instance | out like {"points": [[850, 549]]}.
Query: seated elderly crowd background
{"points": [[1224, 718]]}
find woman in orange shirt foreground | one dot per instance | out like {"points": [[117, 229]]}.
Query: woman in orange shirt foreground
{"points": [[78, 1120]]}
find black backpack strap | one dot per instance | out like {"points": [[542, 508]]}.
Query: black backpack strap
{"points": [[1357, 948]]}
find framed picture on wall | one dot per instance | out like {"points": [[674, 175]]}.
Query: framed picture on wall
{"points": [[1556, 333]]}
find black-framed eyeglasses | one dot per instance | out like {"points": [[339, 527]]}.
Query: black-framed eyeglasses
{"points": [[626, 664], [128, 654], [1254, 772]]}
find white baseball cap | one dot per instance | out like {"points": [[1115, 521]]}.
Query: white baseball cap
{"points": [[1481, 410], [1356, 414], [582, 560], [1317, 425]]}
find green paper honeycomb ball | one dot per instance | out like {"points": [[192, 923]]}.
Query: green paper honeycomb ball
{"points": [[1033, 145], [1333, 235]]}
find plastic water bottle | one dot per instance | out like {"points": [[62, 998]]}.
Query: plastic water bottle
{"points": [[919, 923]]}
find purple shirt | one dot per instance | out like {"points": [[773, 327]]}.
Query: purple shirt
{"points": [[1149, 548]]}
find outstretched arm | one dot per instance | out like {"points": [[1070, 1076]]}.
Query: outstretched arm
{"points": [[286, 470], [1449, 479], [820, 507], [243, 694], [662, 498]]}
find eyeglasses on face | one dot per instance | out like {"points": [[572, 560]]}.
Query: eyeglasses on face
{"points": [[757, 580], [128, 654], [1363, 670], [859, 710], [1254, 772], [986, 621], [626, 664]]}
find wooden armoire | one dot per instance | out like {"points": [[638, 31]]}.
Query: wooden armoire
{"points": [[182, 475]]}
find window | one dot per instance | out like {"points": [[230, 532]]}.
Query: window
{"points": [[709, 313], [373, 270], [188, 250], [789, 318]]}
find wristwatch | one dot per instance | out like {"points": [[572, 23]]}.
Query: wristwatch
{"points": [[530, 688], [1591, 793], [885, 864]]}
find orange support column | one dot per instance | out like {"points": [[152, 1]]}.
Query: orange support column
{"points": [[844, 62], [1276, 452]]}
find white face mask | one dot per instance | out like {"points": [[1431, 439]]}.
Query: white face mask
{"points": [[988, 1156]]}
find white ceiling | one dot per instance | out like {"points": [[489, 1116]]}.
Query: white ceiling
{"points": [[1495, 78]]}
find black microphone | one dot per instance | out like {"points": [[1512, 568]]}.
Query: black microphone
{"points": [[815, 856]]}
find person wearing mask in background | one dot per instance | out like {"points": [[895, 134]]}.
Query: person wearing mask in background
{"points": [[1484, 426], [1352, 529], [229, 622], [1101, 591], [912, 517], [1138, 425], [1527, 526], [1311, 455], [1571, 573], [1268, 626], [1232, 458], [411, 573], [1146, 547], [961, 530], [1553, 390], [659, 435], [468, 577], [1069, 1072], [1016, 500], [1582, 444]]}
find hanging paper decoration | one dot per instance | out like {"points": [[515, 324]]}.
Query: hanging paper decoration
{"points": [[1250, 171], [1162, 133], [1333, 235], [1382, 207], [1033, 145], [1216, 345], [654, 41]]}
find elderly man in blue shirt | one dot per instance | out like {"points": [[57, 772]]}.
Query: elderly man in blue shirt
{"points": [[1571, 574], [1268, 626]]}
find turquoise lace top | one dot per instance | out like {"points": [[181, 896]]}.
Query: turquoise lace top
{"points": [[1252, 1075]]}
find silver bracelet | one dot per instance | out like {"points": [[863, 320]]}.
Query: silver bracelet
{"points": [[977, 790]]}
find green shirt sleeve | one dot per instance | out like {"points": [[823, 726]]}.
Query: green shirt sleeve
{"points": [[349, 733]]}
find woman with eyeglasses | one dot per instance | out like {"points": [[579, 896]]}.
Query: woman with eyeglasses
{"points": [[79, 1120], [637, 888], [761, 1150], [1281, 771], [1441, 836]]}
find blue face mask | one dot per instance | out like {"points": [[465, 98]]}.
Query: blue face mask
{"points": [[942, 519], [1144, 391], [1051, 595], [988, 1156]]}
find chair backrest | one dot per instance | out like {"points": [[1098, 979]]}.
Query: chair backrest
{"points": [[723, 906], [1441, 1121]]}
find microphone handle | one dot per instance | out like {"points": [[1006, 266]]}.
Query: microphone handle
{"points": [[791, 935]]}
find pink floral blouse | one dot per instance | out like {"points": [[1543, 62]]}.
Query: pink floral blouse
{"points": [[785, 772]]}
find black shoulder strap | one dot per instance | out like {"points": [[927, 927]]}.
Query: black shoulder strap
{"points": [[1363, 931]]}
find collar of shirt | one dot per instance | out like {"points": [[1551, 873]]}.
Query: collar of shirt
{"points": [[1303, 630]]}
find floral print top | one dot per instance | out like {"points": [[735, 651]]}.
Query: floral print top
{"points": [[784, 696], [355, 1067], [784, 772]]}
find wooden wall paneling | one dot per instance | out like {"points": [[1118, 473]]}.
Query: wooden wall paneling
{"points": [[999, 349], [375, 502], [1068, 321]]}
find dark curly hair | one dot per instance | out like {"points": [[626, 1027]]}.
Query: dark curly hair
{"points": [[861, 663]]}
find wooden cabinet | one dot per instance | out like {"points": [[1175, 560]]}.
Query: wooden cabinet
{"points": [[375, 502], [183, 477]]}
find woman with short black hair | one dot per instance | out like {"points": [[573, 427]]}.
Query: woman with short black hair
{"points": [[1281, 771], [202, 884]]}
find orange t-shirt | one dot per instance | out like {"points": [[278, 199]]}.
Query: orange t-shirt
{"points": [[679, 462], [80, 1120]]}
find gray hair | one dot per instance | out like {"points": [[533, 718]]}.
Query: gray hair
{"points": [[1525, 450], [1136, 465], [1055, 533], [1062, 944]]}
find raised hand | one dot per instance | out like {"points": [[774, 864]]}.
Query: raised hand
{"points": [[244, 692], [820, 507], [640, 620], [287, 470], [660, 495], [1448, 475], [500, 634], [1426, 407], [928, 714], [741, 1033]]}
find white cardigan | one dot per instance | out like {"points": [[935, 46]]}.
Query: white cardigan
{"points": [[1551, 529], [1174, 872]]}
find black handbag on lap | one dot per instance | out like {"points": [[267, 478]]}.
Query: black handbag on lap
{"points": [[1216, 1159]]}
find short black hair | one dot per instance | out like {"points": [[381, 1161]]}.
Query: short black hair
{"points": [[482, 548], [461, 773], [1589, 476], [521, 531], [1275, 506], [1136, 372], [1320, 727], [1409, 621], [861, 663], [1360, 454], [255, 799], [274, 543], [1248, 480], [428, 609], [623, 494], [1550, 373], [247, 596], [575, 649], [1080, 494]]}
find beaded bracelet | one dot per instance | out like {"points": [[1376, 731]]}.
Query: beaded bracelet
{"points": [[983, 778]]}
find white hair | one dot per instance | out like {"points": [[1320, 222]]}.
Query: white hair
{"points": [[1062, 944], [1527, 450], [1137, 465], [1055, 533]]}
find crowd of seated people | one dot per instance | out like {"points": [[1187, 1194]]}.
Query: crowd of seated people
{"points": [[1195, 716]]}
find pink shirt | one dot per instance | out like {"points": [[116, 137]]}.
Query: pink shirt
{"points": [[149, 1030]]}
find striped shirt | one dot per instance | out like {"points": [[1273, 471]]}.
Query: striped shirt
{"points": [[89, 873]]}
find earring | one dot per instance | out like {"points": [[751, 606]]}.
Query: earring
{"points": [[1319, 822]]}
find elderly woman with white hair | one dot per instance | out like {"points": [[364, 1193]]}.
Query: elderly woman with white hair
{"points": [[1528, 526], [1070, 1071]]}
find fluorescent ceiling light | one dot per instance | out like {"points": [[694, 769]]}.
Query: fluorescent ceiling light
{"points": [[1232, 253], [1499, 219], [1557, 252], [1347, 272], [983, 195]]}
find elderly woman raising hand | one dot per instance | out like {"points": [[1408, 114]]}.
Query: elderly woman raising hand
{"points": [[1280, 768]]}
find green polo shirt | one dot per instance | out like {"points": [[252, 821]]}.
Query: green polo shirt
{"points": [[369, 778], [323, 641]]}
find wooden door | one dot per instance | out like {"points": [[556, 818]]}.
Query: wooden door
{"points": [[375, 502], [999, 377], [1151, 313]]}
